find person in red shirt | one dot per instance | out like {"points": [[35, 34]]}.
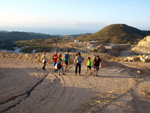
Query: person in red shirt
{"points": [[55, 59]]}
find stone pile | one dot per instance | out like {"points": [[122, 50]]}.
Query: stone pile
{"points": [[135, 58]]}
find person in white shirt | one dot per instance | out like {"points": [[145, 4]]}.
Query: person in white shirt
{"points": [[44, 60]]}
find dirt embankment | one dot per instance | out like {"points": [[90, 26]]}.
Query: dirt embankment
{"points": [[36, 57]]}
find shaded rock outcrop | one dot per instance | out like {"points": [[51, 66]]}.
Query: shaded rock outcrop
{"points": [[143, 46], [100, 48]]}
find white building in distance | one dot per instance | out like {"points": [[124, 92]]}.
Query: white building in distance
{"points": [[76, 41]]}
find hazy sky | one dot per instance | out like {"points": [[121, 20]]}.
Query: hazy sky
{"points": [[72, 16]]}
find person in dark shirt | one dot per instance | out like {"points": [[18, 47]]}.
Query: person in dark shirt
{"points": [[66, 59], [96, 64], [78, 60], [60, 65]]}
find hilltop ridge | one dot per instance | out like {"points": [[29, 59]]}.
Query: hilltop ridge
{"points": [[7, 39], [116, 33]]}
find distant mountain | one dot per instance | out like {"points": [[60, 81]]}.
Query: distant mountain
{"points": [[73, 36], [7, 39], [116, 33], [147, 32], [2, 31]]}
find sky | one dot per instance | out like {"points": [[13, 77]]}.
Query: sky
{"points": [[72, 16]]}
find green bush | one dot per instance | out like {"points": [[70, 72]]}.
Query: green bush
{"points": [[94, 50]]}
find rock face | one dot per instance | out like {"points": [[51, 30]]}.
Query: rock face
{"points": [[116, 49], [101, 48], [143, 46]]}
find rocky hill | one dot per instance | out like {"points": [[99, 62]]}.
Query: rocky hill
{"points": [[116, 33]]}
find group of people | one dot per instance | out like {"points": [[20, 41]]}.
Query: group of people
{"points": [[58, 63]]}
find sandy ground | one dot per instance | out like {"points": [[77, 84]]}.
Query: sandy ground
{"points": [[26, 88]]}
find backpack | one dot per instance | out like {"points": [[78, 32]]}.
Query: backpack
{"points": [[59, 61], [65, 57], [79, 60], [59, 64]]}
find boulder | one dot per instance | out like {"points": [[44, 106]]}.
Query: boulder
{"points": [[143, 46], [147, 38], [100, 48], [143, 59], [114, 51], [133, 58]]}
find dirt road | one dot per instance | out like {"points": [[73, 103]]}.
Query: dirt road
{"points": [[26, 88]]}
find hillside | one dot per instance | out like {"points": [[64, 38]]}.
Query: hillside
{"points": [[147, 32], [40, 45], [7, 38], [116, 33]]}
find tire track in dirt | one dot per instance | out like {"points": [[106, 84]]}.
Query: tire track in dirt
{"points": [[128, 91], [71, 94], [45, 96], [12, 98], [85, 108], [28, 93], [57, 92], [63, 83], [66, 92], [119, 97], [50, 94], [54, 88]]}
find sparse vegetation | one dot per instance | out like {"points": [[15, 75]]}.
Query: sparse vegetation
{"points": [[7, 39], [40, 45], [116, 33], [94, 50]]}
